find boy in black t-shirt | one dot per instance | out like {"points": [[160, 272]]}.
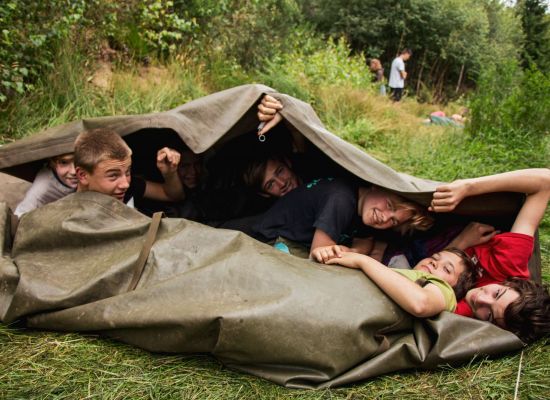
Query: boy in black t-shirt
{"points": [[325, 212]]}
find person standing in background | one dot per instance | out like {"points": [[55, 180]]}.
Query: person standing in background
{"points": [[398, 74], [375, 67]]}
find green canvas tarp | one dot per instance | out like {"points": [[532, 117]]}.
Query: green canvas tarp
{"points": [[256, 309], [212, 120]]}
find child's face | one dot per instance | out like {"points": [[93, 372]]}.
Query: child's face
{"points": [[64, 168], [110, 177], [279, 179], [445, 265], [190, 169], [379, 210], [489, 302]]}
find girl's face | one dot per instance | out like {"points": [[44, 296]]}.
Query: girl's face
{"points": [[445, 265], [64, 168], [379, 210]]}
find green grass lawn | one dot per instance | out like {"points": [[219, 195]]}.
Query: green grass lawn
{"points": [[44, 365]]}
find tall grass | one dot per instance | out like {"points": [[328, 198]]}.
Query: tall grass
{"points": [[71, 93], [46, 365]]}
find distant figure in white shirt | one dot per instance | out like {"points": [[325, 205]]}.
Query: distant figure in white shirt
{"points": [[398, 74]]}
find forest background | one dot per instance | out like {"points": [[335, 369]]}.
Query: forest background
{"points": [[63, 60]]}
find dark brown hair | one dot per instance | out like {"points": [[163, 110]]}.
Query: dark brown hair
{"points": [[528, 317], [97, 145], [254, 173], [468, 278]]}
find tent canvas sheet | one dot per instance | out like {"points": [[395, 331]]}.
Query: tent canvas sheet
{"points": [[207, 290]]}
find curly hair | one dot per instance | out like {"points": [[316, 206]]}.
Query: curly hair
{"points": [[528, 317]]}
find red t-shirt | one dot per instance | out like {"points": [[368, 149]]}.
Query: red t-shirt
{"points": [[505, 255]]}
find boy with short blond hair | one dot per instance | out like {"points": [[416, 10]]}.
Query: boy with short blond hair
{"points": [[103, 164]]}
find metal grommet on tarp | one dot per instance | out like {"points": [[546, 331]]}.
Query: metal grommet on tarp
{"points": [[261, 136]]}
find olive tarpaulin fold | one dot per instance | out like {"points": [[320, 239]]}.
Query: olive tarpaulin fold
{"points": [[206, 290], [256, 309], [216, 118]]}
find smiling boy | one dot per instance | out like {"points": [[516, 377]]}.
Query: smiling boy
{"points": [[428, 289], [326, 212], [54, 181], [103, 164]]}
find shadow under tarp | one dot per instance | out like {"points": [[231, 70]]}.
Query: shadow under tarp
{"points": [[256, 309]]}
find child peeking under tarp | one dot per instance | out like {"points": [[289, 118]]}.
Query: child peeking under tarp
{"points": [[55, 180]]}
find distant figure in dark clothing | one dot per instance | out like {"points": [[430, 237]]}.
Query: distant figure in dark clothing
{"points": [[375, 67]]}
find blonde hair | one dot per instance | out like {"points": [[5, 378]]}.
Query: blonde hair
{"points": [[420, 219], [97, 145]]}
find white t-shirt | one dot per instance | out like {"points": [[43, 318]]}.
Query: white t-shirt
{"points": [[45, 189], [396, 80]]}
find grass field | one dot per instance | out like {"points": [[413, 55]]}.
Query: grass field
{"points": [[44, 365]]}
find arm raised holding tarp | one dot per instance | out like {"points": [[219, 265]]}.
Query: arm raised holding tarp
{"points": [[533, 182], [447, 197], [504, 295]]}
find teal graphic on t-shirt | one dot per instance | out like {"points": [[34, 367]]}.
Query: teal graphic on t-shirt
{"points": [[316, 181]]}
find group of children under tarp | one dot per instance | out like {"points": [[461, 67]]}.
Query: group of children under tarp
{"points": [[278, 196]]}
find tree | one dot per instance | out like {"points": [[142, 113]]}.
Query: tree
{"points": [[451, 39], [536, 28]]}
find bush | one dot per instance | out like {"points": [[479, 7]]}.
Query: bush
{"points": [[30, 35], [511, 102], [304, 71]]}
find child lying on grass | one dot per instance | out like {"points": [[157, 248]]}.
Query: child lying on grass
{"points": [[430, 288]]}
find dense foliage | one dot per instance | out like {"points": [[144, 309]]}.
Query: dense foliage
{"points": [[511, 102], [457, 44], [452, 40], [31, 32], [536, 27], [242, 33]]}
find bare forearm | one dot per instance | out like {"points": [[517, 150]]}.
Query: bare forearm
{"points": [[410, 296], [172, 187], [523, 181], [362, 245]]}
